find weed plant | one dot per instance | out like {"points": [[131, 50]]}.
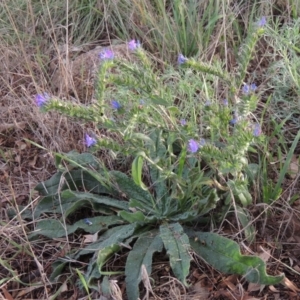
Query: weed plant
{"points": [[188, 151]]}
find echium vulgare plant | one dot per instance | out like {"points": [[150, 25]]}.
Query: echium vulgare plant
{"points": [[187, 154]]}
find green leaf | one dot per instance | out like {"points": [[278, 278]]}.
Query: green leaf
{"points": [[224, 255], [136, 171], [112, 236], [141, 254], [51, 229], [73, 180], [104, 254], [240, 190], [132, 191], [54, 228], [244, 218], [177, 245], [208, 203], [69, 201], [83, 159], [158, 100], [132, 217]]}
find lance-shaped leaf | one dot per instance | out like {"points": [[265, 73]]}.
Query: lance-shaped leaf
{"points": [[115, 235], [69, 201], [177, 245], [141, 254], [224, 255], [132, 191], [73, 180], [55, 228]]}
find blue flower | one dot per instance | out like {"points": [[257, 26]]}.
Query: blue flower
{"points": [[115, 104], [233, 121], [182, 122], [262, 22], [106, 54], [246, 89], [235, 118], [41, 99], [207, 103], [193, 146], [253, 87], [257, 130], [181, 59], [89, 141], [88, 222], [134, 45]]}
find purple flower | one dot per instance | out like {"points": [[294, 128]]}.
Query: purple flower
{"points": [[134, 45], [257, 130], [89, 141], [262, 22], [115, 104], [235, 118], [181, 59], [253, 87], [225, 102], [41, 99], [182, 122], [246, 89], [233, 121], [193, 146], [207, 103], [106, 54], [249, 88]]}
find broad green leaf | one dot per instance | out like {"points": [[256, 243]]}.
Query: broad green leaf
{"points": [[73, 180], [95, 174], [51, 229], [83, 159], [54, 228], [140, 255], [244, 218], [132, 191], [184, 217], [112, 236], [225, 256], [132, 217], [177, 245], [69, 201], [78, 197]]}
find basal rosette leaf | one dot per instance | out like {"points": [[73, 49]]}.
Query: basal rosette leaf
{"points": [[225, 256], [140, 255], [70, 201], [176, 242]]}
